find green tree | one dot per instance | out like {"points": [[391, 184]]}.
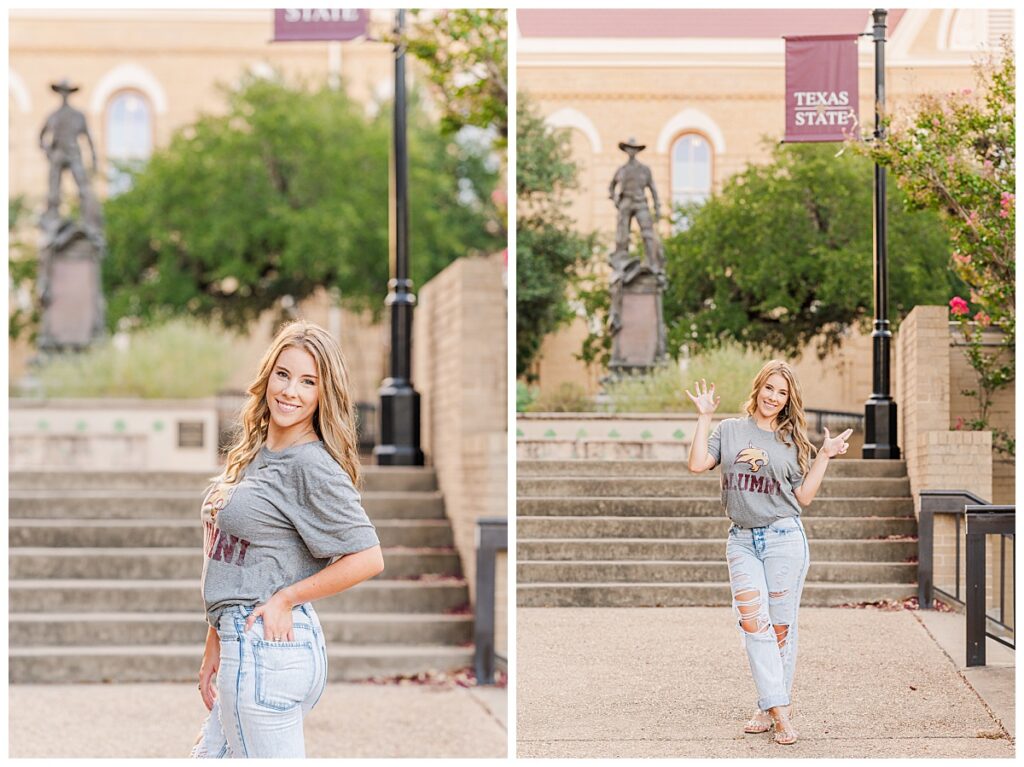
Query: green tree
{"points": [[465, 52], [548, 250], [23, 263], [284, 193], [956, 154], [784, 254]]}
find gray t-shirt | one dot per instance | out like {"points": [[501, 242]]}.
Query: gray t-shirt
{"points": [[759, 472], [291, 513]]}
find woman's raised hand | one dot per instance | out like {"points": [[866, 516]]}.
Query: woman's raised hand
{"points": [[837, 445], [705, 399]]}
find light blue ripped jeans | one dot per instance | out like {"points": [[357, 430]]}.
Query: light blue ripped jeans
{"points": [[767, 568], [264, 688]]}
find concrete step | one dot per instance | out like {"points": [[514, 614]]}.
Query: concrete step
{"points": [[184, 563], [110, 629], [845, 467], [428, 595], [636, 549], [133, 533], [667, 571], [180, 663], [693, 594], [705, 486], [599, 449], [184, 504], [375, 478], [716, 528], [701, 507]]}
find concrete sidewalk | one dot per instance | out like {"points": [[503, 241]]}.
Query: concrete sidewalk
{"points": [[351, 720], [674, 682]]}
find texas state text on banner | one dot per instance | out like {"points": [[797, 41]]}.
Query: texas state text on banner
{"points": [[821, 87], [319, 24]]}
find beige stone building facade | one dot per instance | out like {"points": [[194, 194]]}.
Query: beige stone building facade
{"points": [[704, 90], [143, 74]]}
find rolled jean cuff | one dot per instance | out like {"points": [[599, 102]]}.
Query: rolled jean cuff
{"points": [[766, 703]]}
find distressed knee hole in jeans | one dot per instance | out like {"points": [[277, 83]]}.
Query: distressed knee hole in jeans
{"points": [[752, 618], [781, 631]]}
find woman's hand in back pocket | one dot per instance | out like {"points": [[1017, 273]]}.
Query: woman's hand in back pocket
{"points": [[277, 619]]}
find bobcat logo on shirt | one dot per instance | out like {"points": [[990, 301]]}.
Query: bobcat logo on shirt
{"points": [[755, 457], [218, 497]]}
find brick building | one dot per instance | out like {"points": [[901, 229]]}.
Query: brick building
{"points": [[704, 89], [143, 74]]}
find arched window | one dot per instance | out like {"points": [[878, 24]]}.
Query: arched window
{"points": [[129, 138], [691, 173]]}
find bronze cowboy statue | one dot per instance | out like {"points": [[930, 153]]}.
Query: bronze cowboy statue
{"points": [[644, 278], [68, 283], [628, 190], [59, 138]]}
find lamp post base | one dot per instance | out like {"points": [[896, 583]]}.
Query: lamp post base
{"points": [[399, 426], [880, 429]]}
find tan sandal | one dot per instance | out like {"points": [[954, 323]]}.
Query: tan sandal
{"points": [[783, 732], [760, 722]]}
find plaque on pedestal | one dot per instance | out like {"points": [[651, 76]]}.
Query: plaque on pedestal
{"points": [[640, 340], [71, 293]]}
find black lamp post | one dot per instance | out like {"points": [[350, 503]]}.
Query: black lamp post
{"points": [[399, 443], [880, 409]]}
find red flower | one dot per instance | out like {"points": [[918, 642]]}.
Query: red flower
{"points": [[958, 306], [983, 319], [1006, 201]]}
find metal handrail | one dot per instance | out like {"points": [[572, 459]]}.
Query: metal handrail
{"points": [[491, 537], [938, 502], [981, 518], [984, 520], [836, 420]]}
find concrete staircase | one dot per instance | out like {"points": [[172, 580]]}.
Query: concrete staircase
{"points": [[105, 566], [647, 533]]}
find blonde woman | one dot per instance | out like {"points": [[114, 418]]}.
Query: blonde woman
{"points": [[283, 526], [768, 475]]}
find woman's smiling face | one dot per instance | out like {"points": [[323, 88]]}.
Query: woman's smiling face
{"points": [[293, 390], [773, 396]]}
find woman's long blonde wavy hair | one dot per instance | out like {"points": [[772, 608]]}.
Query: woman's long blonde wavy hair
{"points": [[792, 425], [334, 420]]}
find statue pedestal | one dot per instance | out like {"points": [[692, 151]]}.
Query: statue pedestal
{"points": [[639, 343], [72, 294]]}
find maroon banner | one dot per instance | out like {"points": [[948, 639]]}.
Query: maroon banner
{"points": [[821, 87], [319, 24]]}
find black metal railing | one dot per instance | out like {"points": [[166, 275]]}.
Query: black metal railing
{"points": [[984, 520], [835, 420], [492, 537], [979, 519], [366, 426]]}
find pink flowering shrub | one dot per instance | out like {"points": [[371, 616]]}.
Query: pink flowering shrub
{"points": [[957, 154]]}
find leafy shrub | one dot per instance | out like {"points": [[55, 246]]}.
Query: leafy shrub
{"points": [[180, 359], [664, 390], [525, 395], [568, 398]]}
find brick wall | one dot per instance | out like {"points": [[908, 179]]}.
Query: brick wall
{"points": [[460, 368], [1002, 412], [932, 372], [938, 458]]}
